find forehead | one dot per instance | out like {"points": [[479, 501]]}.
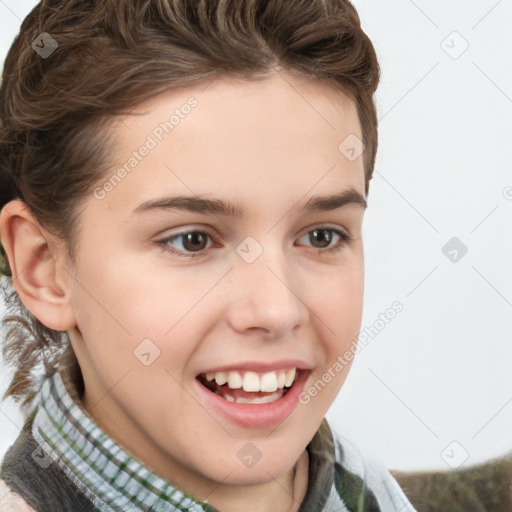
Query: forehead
{"points": [[249, 139]]}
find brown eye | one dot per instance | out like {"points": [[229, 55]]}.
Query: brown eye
{"points": [[326, 239], [187, 243], [321, 237], [194, 241]]}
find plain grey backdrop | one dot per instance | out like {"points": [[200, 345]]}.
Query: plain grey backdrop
{"points": [[431, 388]]}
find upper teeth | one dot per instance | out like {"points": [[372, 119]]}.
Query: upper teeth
{"points": [[252, 381]]}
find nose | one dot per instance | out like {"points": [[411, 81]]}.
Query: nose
{"points": [[265, 297]]}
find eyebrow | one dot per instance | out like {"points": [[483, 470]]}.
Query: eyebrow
{"points": [[226, 208]]}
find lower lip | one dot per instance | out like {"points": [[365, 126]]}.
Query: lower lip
{"points": [[256, 415]]}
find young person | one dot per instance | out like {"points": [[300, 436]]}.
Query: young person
{"points": [[183, 189]]}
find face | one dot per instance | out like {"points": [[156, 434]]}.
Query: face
{"points": [[215, 254]]}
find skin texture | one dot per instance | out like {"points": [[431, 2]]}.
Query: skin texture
{"points": [[269, 147]]}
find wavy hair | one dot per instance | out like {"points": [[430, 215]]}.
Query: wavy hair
{"points": [[112, 54]]}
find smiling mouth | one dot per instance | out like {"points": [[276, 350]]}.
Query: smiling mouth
{"points": [[250, 387]]}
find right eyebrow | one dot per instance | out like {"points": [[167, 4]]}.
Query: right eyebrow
{"points": [[192, 204]]}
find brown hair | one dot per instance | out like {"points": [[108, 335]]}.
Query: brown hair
{"points": [[111, 55]]}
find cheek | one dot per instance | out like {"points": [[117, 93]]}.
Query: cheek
{"points": [[338, 319], [338, 299], [120, 310], [338, 307], [124, 296], [347, 306]]}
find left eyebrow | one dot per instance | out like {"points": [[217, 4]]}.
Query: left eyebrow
{"points": [[326, 203], [220, 207]]}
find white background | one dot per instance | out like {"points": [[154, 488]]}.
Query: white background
{"points": [[433, 389]]}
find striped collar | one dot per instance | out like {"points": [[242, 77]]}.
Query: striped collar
{"points": [[116, 481]]}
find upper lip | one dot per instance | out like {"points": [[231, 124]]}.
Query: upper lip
{"points": [[256, 366]]}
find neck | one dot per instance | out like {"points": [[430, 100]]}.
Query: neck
{"points": [[282, 494]]}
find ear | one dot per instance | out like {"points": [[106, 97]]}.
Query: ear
{"points": [[34, 259]]}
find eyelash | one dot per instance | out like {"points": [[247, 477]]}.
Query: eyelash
{"points": [[344, 239]]}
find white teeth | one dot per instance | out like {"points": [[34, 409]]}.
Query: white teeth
{"points": [[251, 382], [269, 382], [221, 378], [261, 399], [281, 379], [229, 398], [290, 377], [234, 380]]}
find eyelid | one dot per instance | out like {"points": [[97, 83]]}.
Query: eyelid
{"points": [[345, 237], [163, 243], [327, 227]]}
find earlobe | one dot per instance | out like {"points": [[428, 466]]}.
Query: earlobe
{"points": [[34, 266]]}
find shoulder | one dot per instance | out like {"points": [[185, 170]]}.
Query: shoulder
{"points": [[375, 476], [10, 501]]}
